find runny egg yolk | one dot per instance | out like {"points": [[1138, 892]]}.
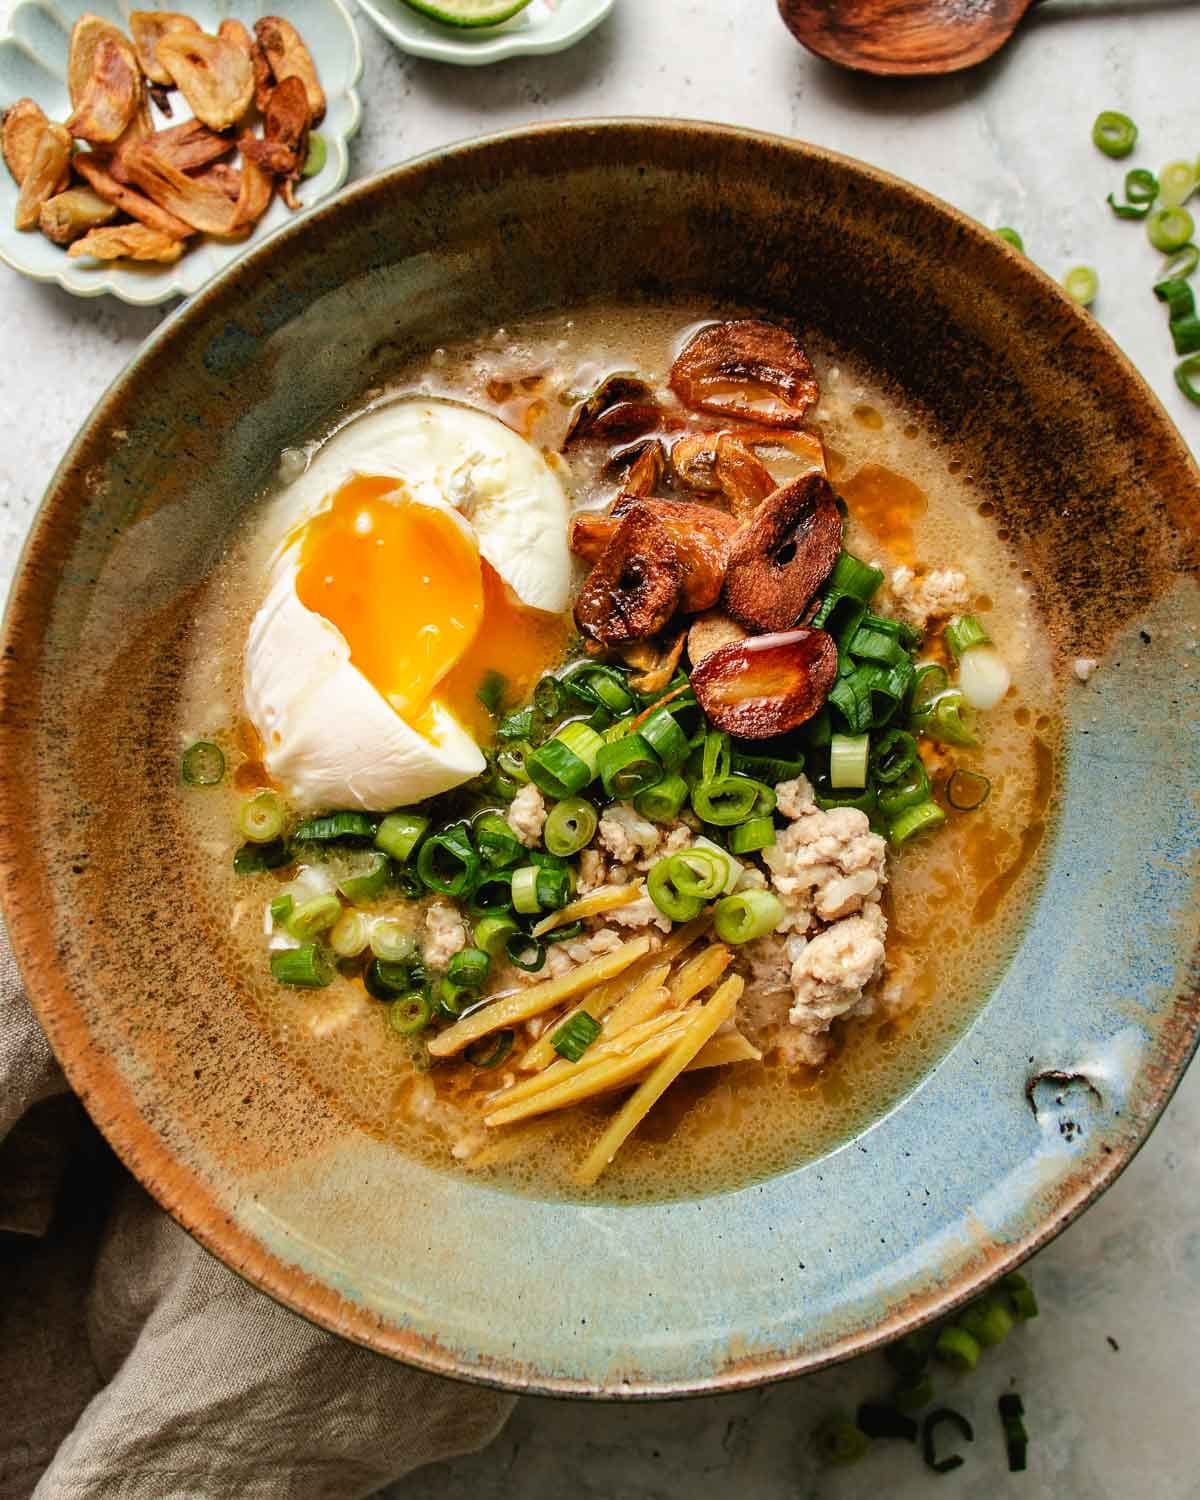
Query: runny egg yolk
{"points": [[425, 617]]}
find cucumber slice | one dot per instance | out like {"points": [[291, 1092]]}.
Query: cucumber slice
{"points": [[468, 12]]}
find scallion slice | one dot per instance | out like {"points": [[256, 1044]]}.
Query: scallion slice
{"points": [[730, 800], [1081, 284], [1022, 1302], [878, 1420], [1186, 334], [666, 895], [838, 1441], [565, 764], [492, 932], [1169, 228], [203, 764], [454, 998], [848, 760], [525, 890], [1011, 237], [628, 766], [1181, 264], [351, 826], [914, 820], [988, 1321], [304, 968], [963, 632], [515, 726], [253, 859], [495, 840], [525, 952], [908, 790], [855, 578], [746, 915], [944, 1416], [662, 802], [569, 826], [892, 755], [1114, 133], [410, 1013], [511, 760], [702, 870], [754, 833], [913, 1394], [717, 758], [392, 941], [447, 862], [1016, 1438], [1178, 296], [469, 966], [1177, 183], [598, 684], [957, 1348], [314, 916], [575, 1035], [967, 790], [400, 833], [260, 818], [1187, 378], [350, 934], [490, 1051], [548, 697], [492, 893], [770, 769], [490, 691], [665, 738], [281, 908], [369, 880], [385, 979]]}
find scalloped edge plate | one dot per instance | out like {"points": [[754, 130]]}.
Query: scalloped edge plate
{"points": [[33, 57], [545, 26]]}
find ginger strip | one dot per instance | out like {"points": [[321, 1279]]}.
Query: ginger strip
{"points": [[604, 898], [622, 1046], [698, 973], [645, 1000], [729, 1048], [698, 1032], [537, 999]]}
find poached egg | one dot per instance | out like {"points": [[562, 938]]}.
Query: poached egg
{"points": [[424, 548]]}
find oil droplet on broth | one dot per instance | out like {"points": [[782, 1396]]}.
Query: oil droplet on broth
{"points": [[888, 505]]}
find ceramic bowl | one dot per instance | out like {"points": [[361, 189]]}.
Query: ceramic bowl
{"points": [[33, 62], [544, 26], [1032, 1111]]}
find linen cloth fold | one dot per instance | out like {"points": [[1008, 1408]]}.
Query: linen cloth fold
{"points": [[135, 1366]]}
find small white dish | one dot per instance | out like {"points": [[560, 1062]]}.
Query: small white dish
{"points": [[33, 62], [544, 26]]}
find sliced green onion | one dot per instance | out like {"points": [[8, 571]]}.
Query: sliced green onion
{"points": [[469, 966], [1011, 237], [854, 578], [1181, 264], [1022, 1302], [848, 760], [963, 632], [515, 726], [490, 691], [314, 916], [492, 932], [770, 769], [1016, 1438], [879, 1420], [662, 802], [392, 941], [914, 820], [549, 699], [1178, 296], [754, 833], [567, 933], [870, 641], [490, 1051], [908, 1356], [942, 1417], [305, 968], [565, 764], [1141, 186], [628, 766], [1170, 228], [282, 908], [385, 979], [492, 893], [930, 681], [448, 863], [570, 826], [350, 934], [951, 720], [1177, 183], [314, 161], [665, 738], [819, 730], [908, 790], [730, 801], [746, 915], [1128, 210], [400, 833], [988, 1321], [525, 952], [410, 1013], [967, 790], [339, 825], [892, 755], [575, 1035], [261, 818], [525, 890], [957, 1348], [513, 759], [1186, 334], [865, 801], [912, 1395], [717, 758], [1081, 284], [666, 895], [1114, 133], [702, 870], [868, 696], [370, 881], [602, 685], [253, 859], [454, 998], [840, 1442], [1187, 378], [495, 840], [203, 764]]}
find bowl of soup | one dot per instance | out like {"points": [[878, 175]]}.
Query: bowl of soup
{"points": [[596, 785]]}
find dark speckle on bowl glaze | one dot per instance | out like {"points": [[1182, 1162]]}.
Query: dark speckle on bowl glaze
{"points": [[1083, 471]]}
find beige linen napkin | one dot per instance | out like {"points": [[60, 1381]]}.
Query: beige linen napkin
{"points": [[134, 1366]]}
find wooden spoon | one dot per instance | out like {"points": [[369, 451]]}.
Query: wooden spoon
{"points": [[903, 36]]}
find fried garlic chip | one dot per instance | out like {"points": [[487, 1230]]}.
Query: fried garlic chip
{"points": [[199, 204], [86, 35], [128, 242], [67, 216], [24, 122], [127, 200], [290, 58], [190, 146], [110, 98], [49, 170], [285, 143], [213, 75], [149, 27]]}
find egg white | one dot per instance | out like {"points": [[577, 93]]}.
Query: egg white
{"points": [[329, 737]]}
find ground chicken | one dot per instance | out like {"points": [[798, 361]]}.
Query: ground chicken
{"points": [[444, 935], [527, 815], [626, 835], [640, 913], [932, 595], [831, 970], [831, 856], [561, 958]]}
